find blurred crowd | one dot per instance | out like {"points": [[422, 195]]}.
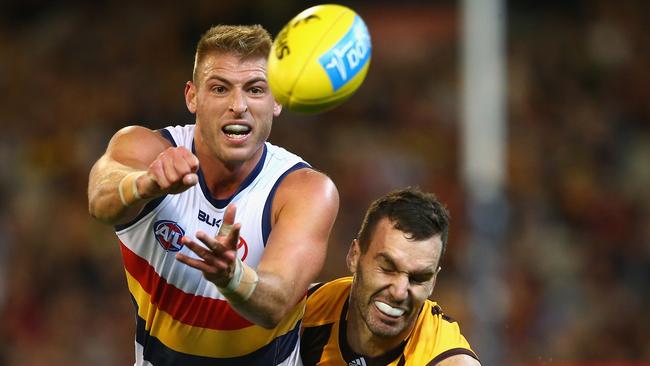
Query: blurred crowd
{"points": [[577, 245]]}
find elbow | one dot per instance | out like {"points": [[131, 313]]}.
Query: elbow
{"points": [[271, 321], [97, 215], [274, 316], [268, 325], [98, 211], [273, 302], [92, 208]]}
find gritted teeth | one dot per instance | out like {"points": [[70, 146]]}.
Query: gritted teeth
{"points": [[389, 310], [236, 129]]}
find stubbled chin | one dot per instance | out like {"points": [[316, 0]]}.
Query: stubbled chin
{"points": [[238, 154]]}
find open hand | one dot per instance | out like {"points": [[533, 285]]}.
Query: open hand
{"points": [[217, 254]]}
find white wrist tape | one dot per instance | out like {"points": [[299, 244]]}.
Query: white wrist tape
{"points": [[241, 285], [235, 281], [128, 188]]}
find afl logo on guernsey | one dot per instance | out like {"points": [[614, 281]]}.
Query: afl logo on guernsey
{"points": [[168, 234]]}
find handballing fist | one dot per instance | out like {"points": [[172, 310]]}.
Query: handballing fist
{"points": [[173, 171]]}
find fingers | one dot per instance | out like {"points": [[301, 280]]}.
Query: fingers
{"points": [[178, 163], [232, 239], [195, 263], [191, 160], [173, 171], [217, 254], [216, 262], [229, 215], [190, 179], [213, 244], [173, 167], [211, 261]]}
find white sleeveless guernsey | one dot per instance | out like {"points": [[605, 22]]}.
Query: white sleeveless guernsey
{"points": [[182, 319]]}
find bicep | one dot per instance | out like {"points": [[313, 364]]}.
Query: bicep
{"points": [[304, 210]]}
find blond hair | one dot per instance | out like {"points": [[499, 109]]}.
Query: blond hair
{"points": [[241, 40]]}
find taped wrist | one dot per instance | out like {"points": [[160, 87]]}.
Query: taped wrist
{"points": [[241, 285], [128, 188]]}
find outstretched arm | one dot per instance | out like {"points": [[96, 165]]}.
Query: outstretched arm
{"points": [[138, 165], [303, 213]]}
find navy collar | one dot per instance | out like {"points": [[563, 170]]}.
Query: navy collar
{"points": [[222, 203]]}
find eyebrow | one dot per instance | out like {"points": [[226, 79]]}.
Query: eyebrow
{"points": [[386, 258], [424, 272], [216, 77], [228, 82]]}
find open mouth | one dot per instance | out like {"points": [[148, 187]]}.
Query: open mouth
{"points": [[389, 310], [236, 131]]}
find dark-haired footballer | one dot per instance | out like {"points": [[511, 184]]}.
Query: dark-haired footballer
{"points": [[382, 315]]}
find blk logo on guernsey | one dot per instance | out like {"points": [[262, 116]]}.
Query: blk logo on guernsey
{"points": [[168, 234]]}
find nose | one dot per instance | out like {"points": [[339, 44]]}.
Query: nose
{"points": [[238, 103], [399, 287]]}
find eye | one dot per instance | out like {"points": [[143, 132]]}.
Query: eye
{"points": [[386, 269], [256, 90], [420, 278], [219, 89]]}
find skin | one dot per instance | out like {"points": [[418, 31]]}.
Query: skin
{"points": [[398, 272], [228, 91], [459, 360]]}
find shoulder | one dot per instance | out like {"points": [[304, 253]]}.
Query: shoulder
{"points": [[307, 182], [306, 194], [137, 131], [445, 326], [300, 180], [138, 137], [135, 146]]}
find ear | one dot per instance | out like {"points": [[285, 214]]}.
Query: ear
{"points": [[352, 258], [190, 96], [277, 108]]}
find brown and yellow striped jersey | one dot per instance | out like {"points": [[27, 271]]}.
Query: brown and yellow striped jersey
{"points": [[323, 341]]}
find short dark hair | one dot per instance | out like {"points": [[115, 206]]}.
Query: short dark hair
{"points": [[416, 213]]}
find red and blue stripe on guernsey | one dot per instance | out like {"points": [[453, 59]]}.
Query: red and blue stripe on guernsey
{"points": [[175, 327]]}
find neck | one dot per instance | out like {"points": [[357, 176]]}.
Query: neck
{"points": [[224, 178]]}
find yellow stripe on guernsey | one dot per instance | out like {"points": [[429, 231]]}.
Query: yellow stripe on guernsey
{"points": [[199, 341]]}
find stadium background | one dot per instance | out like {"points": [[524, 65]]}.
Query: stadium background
{"points": [[576, 253]]}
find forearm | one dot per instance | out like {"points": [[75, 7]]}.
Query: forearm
{"points": [[104, 202], [139, 165], [272, 299], [296, 248]]}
